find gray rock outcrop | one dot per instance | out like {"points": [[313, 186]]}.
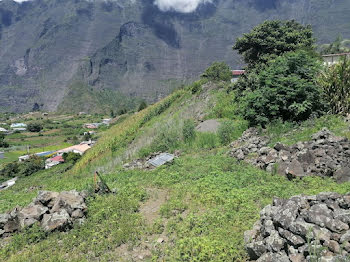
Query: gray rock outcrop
{"points": [[51, 210], [302, 228], [324, 155]]}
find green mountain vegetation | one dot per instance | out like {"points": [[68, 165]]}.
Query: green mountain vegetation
{"points": [[130, 49], [202, 203], [198, 207]]}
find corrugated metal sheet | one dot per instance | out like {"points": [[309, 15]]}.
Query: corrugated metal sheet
{"points": [[161, 159]]}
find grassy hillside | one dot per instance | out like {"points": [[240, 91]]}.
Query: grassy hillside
{"points": [[196, 209]]}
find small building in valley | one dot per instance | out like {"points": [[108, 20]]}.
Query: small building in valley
{"points": [[18, 125], [54, 161], [92, 125], [79, 149], [106, 121], [2, 155], [332, 59], [3, 130], [40, 154], [236, 74]]}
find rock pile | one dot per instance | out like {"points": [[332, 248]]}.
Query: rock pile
{"points": [[52, 210], [325, 155], [302, 228]]}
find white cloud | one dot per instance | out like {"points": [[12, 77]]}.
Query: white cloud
{"points": [[182, 6]]}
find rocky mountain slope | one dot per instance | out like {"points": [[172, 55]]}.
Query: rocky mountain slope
{"points": [[86, 55]]}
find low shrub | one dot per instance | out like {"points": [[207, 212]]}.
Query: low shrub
{"points": [[34, 127], [335, 82], [225, 132], [188, 131], [206, 140]]}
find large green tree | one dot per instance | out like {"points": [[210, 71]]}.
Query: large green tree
{"points": [[285, 89], [271, 39]]}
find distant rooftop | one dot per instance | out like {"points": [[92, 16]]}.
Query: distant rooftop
{"points": [[238, 72], [338, 54]]}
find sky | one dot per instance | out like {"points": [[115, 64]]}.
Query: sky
{"points": [[182, 6]]}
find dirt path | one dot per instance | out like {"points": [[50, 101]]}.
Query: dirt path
{"points": [[150, 208], [150, 211]]}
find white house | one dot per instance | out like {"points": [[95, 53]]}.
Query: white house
{"points": [[2, 155], [79, 149], [54, 161], [236, 74], [106, 121], [3, 130], [18, 125], [332, 59]]}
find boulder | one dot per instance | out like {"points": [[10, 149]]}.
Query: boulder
{"points": [[294, 170], [3, 219], [57, 221], [12, 226], [46, 198], [342, 175], [31, 214], [69, 201]]}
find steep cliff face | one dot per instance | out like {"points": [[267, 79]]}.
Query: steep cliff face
{"points": [[130, 49]]}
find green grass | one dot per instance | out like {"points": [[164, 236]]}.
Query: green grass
{"points": [[211, 198], [221, 197]]}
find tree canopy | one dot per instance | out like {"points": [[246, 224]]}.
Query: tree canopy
{"points": [[218, 71], [273, 38], [285, 89]]}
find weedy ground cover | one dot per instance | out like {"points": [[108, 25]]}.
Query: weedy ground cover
{"points": [[211, 198]]}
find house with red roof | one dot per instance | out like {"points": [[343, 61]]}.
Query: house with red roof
{"points": [[236, 74], [54, 161]]}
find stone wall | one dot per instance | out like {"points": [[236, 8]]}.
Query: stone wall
{"points": [[324, 155], [302, 228], [52, 210]]}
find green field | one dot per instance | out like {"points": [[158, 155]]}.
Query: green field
{"points": [[59, 131]]}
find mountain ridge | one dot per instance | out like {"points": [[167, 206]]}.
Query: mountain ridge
{"points": [[51, 45]]}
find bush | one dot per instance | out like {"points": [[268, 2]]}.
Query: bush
{"points": [[218, 71], [188, 131], [285, 89], [207, 140], [122, 111], [71, 157], [225, 132], [34, 127], [142, 106], [195, 87], [10, 170], [30, 166], [335, 82], [3, 143]]}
